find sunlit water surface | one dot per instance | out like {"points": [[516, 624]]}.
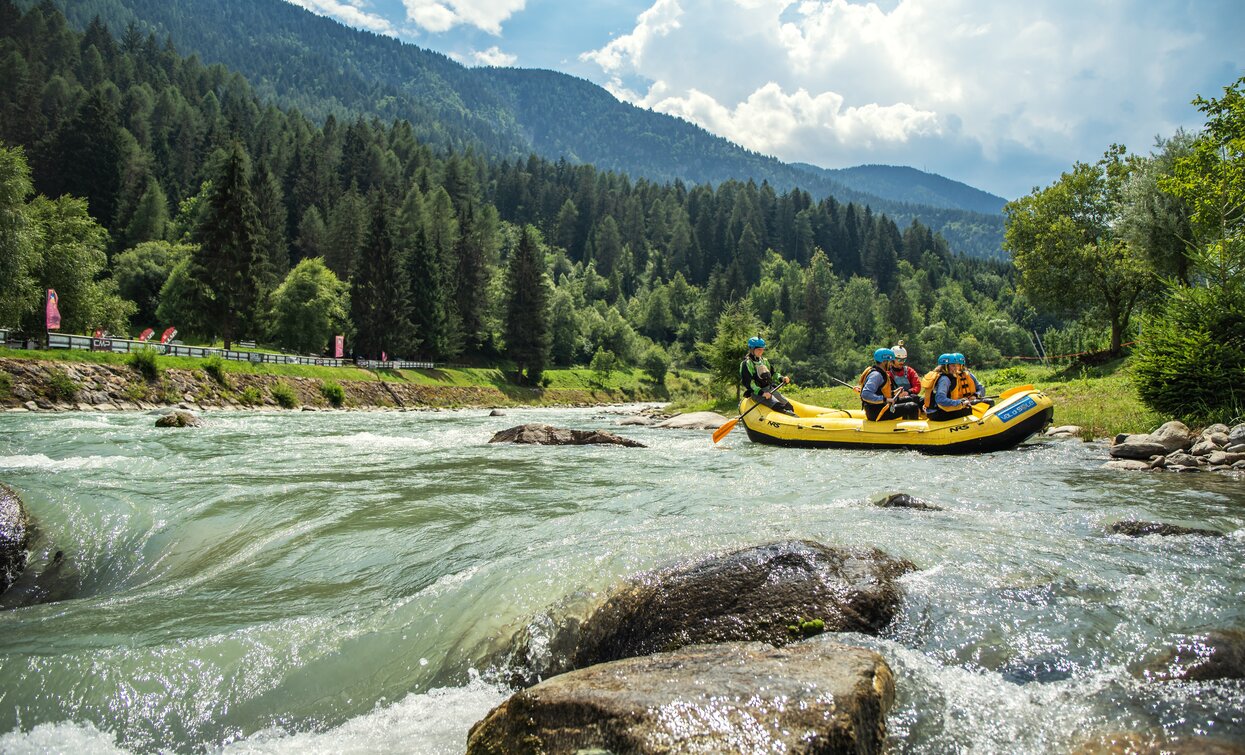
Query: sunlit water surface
{"points": [[333, 582]]}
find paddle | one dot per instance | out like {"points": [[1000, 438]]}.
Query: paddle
{"points": [[844, 382], [725, 430]]}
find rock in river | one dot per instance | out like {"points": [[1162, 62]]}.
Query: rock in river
{"points": [[14, 536], [749, 595], [1141, 529], [1218, 654], [905, 501], [694, 421], [814, 696], [179, 418], [549, 435]]}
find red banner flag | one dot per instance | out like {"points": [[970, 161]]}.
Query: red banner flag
{"points": [[53, 311], [148, 333], [339, 346], [168, 335]]}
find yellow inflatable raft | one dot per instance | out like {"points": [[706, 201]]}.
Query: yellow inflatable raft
{"points": [[1019, 413]]}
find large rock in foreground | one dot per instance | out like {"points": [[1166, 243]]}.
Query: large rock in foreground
{"points": [[749, 595], [816, 696], [548, 435], [14, 536]]}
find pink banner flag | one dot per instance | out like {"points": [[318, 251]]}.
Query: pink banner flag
{"points": [[168, 335], [146, 334], [339, 346], [384, 357], [53, 311]]}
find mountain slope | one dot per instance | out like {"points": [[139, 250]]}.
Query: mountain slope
{"points": [[298, 59], [914, 186]]}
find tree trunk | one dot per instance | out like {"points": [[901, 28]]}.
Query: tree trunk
{"points": [[1117, 331]]}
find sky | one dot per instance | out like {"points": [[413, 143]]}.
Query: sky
{"points": [[999, 94]]}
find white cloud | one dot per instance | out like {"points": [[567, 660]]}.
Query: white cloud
{"points": [[443, 15], [838, 83], [493, 56], [349, 12]]}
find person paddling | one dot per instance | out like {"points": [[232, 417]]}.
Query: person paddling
{"points": [[881, 399], [759, 380]]}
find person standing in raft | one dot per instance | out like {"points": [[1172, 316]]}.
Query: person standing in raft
{"points": [[952, 393], [880, 397], [903, 375], [759, 380]]}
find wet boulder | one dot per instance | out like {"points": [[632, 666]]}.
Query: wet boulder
{"points": [[693, 421], [905, 501], [1128, 465], [755, 594], [497, 413], [1134, 528], [1236, 435], [14, 536], [1156, 743], [1064, 431], [1138, 447], [1174, 436], [179, 418], [813, 696], [1218, 654], [548, 435]]}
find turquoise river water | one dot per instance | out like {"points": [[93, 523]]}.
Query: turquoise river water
{"points": [[335, 582]]}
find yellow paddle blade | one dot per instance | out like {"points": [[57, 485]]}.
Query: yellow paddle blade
{"points": [[724, 430], [1013, 391]]}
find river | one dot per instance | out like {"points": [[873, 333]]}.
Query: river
{"points": [[333, 582]]}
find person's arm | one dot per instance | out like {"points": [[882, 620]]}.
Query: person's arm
{"points": [[981, 387], [915, 381], [869, 393], [745, 378]]}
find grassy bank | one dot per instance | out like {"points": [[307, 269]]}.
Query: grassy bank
{"points": [[1100, 399], [560, 386]]}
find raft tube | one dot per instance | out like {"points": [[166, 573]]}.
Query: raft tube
{"points": [[1019, 414]]}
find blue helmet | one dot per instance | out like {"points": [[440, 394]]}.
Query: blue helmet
{"points": [[756, 342], [946, 359], [883, 355], [959, 358]]}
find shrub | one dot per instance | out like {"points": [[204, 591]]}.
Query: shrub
{"points": [[6, 385], [284, 395], [144, 360], [1009, 376], [250, 396], [655, 363], [61, 387], [603, 364], [1189, 363], [215, 366], [333, 393], [137, 392]]}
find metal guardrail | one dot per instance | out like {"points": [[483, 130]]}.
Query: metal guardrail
{"points": [[126, 346], [376, 364]]}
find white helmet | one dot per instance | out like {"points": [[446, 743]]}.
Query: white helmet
{"points": [[900, 351]]}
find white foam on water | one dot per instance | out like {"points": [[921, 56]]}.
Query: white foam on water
{"points": [[369, 440], [432, 723], [65, 737], [41, 461]]}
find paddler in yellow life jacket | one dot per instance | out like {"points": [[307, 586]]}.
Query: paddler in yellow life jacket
{"points": [[880, 397], [953, 389], [759, 380]]}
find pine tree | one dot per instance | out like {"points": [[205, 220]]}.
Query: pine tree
{"points": [[270, 202], [379, 295], [151, 217], [527, 311], [428, 292], [86, 157], [229, 262]]}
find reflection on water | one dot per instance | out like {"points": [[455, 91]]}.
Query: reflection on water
{"points": [[313, 582]]}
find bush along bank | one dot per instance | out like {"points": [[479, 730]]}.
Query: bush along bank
{"points": [[1174, 448], [34, 385]]}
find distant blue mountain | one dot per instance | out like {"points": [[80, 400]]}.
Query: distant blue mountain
{"points": [[902, 184]]}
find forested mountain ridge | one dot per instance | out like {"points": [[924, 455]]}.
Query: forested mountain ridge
{"points": [[904, 184], [297, 59], [175, 196]]}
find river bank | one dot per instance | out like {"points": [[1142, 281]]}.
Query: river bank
{"points": [[62, 385]]}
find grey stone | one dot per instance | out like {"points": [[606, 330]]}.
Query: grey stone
{"points": [[1219, 439], [549, 435], [817, 696], [1239, 448], [31, 406], [14, 536], [497, 413], [179, 419], [1202, 448], [1135, 528], [1158, 462], [1138, 447], [1218, 458], [1237, 434], [1174, 435], [637, 422], [1128, 465], [1213, 429], [694, 421], [905, 501], [1064, 431]]}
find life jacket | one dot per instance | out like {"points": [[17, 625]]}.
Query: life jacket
{"points": [[901, 381], [888, 384], [961, 387], [761, 372]]}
